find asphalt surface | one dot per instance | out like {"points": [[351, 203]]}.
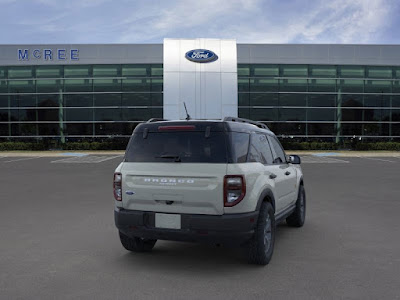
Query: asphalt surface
{"points": [[58, 240]]}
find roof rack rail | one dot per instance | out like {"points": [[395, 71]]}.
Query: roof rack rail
{"points": [[156, 120], [241, 120]]}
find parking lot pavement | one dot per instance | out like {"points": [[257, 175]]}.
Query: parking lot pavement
{"points": [[78, 158], [84, 159], [58, 239], [14, 159], [308, 159]]}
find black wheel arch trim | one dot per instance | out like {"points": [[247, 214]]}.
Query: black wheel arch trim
{"points": [[301, 183], [267, 193]]}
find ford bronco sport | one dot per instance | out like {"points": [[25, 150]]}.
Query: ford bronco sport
{"points": [[224, 182]]}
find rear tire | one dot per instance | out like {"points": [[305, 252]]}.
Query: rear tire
{"points": [[261, 246], [136, 244], [298, 217]]}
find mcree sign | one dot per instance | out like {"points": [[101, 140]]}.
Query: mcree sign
{"points": [[48, 54], [201, 56]]}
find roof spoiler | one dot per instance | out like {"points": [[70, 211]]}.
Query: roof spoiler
{"points": [[241, 120], [156, 120]]}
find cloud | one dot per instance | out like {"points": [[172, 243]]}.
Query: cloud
{"points": [[336, 21], [343, 21], [198, 13], [249, 21], [70, 4], [185, 19]]}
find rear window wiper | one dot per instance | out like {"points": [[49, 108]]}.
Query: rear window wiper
{"points": [[176, 157]]}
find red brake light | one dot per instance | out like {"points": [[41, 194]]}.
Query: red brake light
{"points": [[176, 127], [117, 186], [234, 189]]}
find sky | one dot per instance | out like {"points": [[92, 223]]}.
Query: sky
{"points": [[247, 21]]}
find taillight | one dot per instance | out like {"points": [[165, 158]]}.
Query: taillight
{"points": [[234, 189], [118, 186]]}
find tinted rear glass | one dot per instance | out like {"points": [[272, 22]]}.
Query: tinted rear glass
{"points": [[240, 146], [185, 147]]}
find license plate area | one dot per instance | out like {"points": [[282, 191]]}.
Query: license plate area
{"points": [[168, 221]]}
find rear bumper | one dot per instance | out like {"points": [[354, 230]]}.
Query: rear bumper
{"points": [[225, 229]]}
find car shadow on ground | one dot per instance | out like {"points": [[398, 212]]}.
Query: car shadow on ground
{"points": [[201, 257]]}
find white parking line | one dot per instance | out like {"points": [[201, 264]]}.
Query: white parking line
{"points": [[380, 159], [90, 159], [321, 160], [108, 158], [337, 160], [76, 160], [19, 159], [60, 160]]}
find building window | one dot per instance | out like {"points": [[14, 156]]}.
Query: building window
{"points": [[78, 100], [335, 101]]}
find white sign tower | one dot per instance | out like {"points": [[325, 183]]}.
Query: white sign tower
{"points": [[207, 86]]}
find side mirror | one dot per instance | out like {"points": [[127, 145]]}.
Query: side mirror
{"points": [[294, 159]]}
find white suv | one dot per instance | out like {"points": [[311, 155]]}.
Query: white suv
{"points": [[224, 182]]}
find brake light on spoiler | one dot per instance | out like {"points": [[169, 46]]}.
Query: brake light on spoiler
{"points": [[176, 127]]}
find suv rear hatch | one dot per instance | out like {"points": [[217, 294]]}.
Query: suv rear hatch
{"points": [[175, 169]]}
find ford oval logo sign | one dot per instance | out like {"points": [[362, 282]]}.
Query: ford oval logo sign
{"points": [[201, 56]]}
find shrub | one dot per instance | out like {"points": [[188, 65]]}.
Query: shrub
{"points": [[45, 145], [346, 145], [9, 146], [309, 145], [120, 144]]}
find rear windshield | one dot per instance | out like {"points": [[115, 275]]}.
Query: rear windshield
{"points": [[185, 147]]}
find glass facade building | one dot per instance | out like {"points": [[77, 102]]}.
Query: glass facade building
{"points": [[78, 100], [323, 92], [322, 101]]}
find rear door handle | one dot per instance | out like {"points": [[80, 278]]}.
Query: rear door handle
{"points": [[272, 176], [287, 173]]}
